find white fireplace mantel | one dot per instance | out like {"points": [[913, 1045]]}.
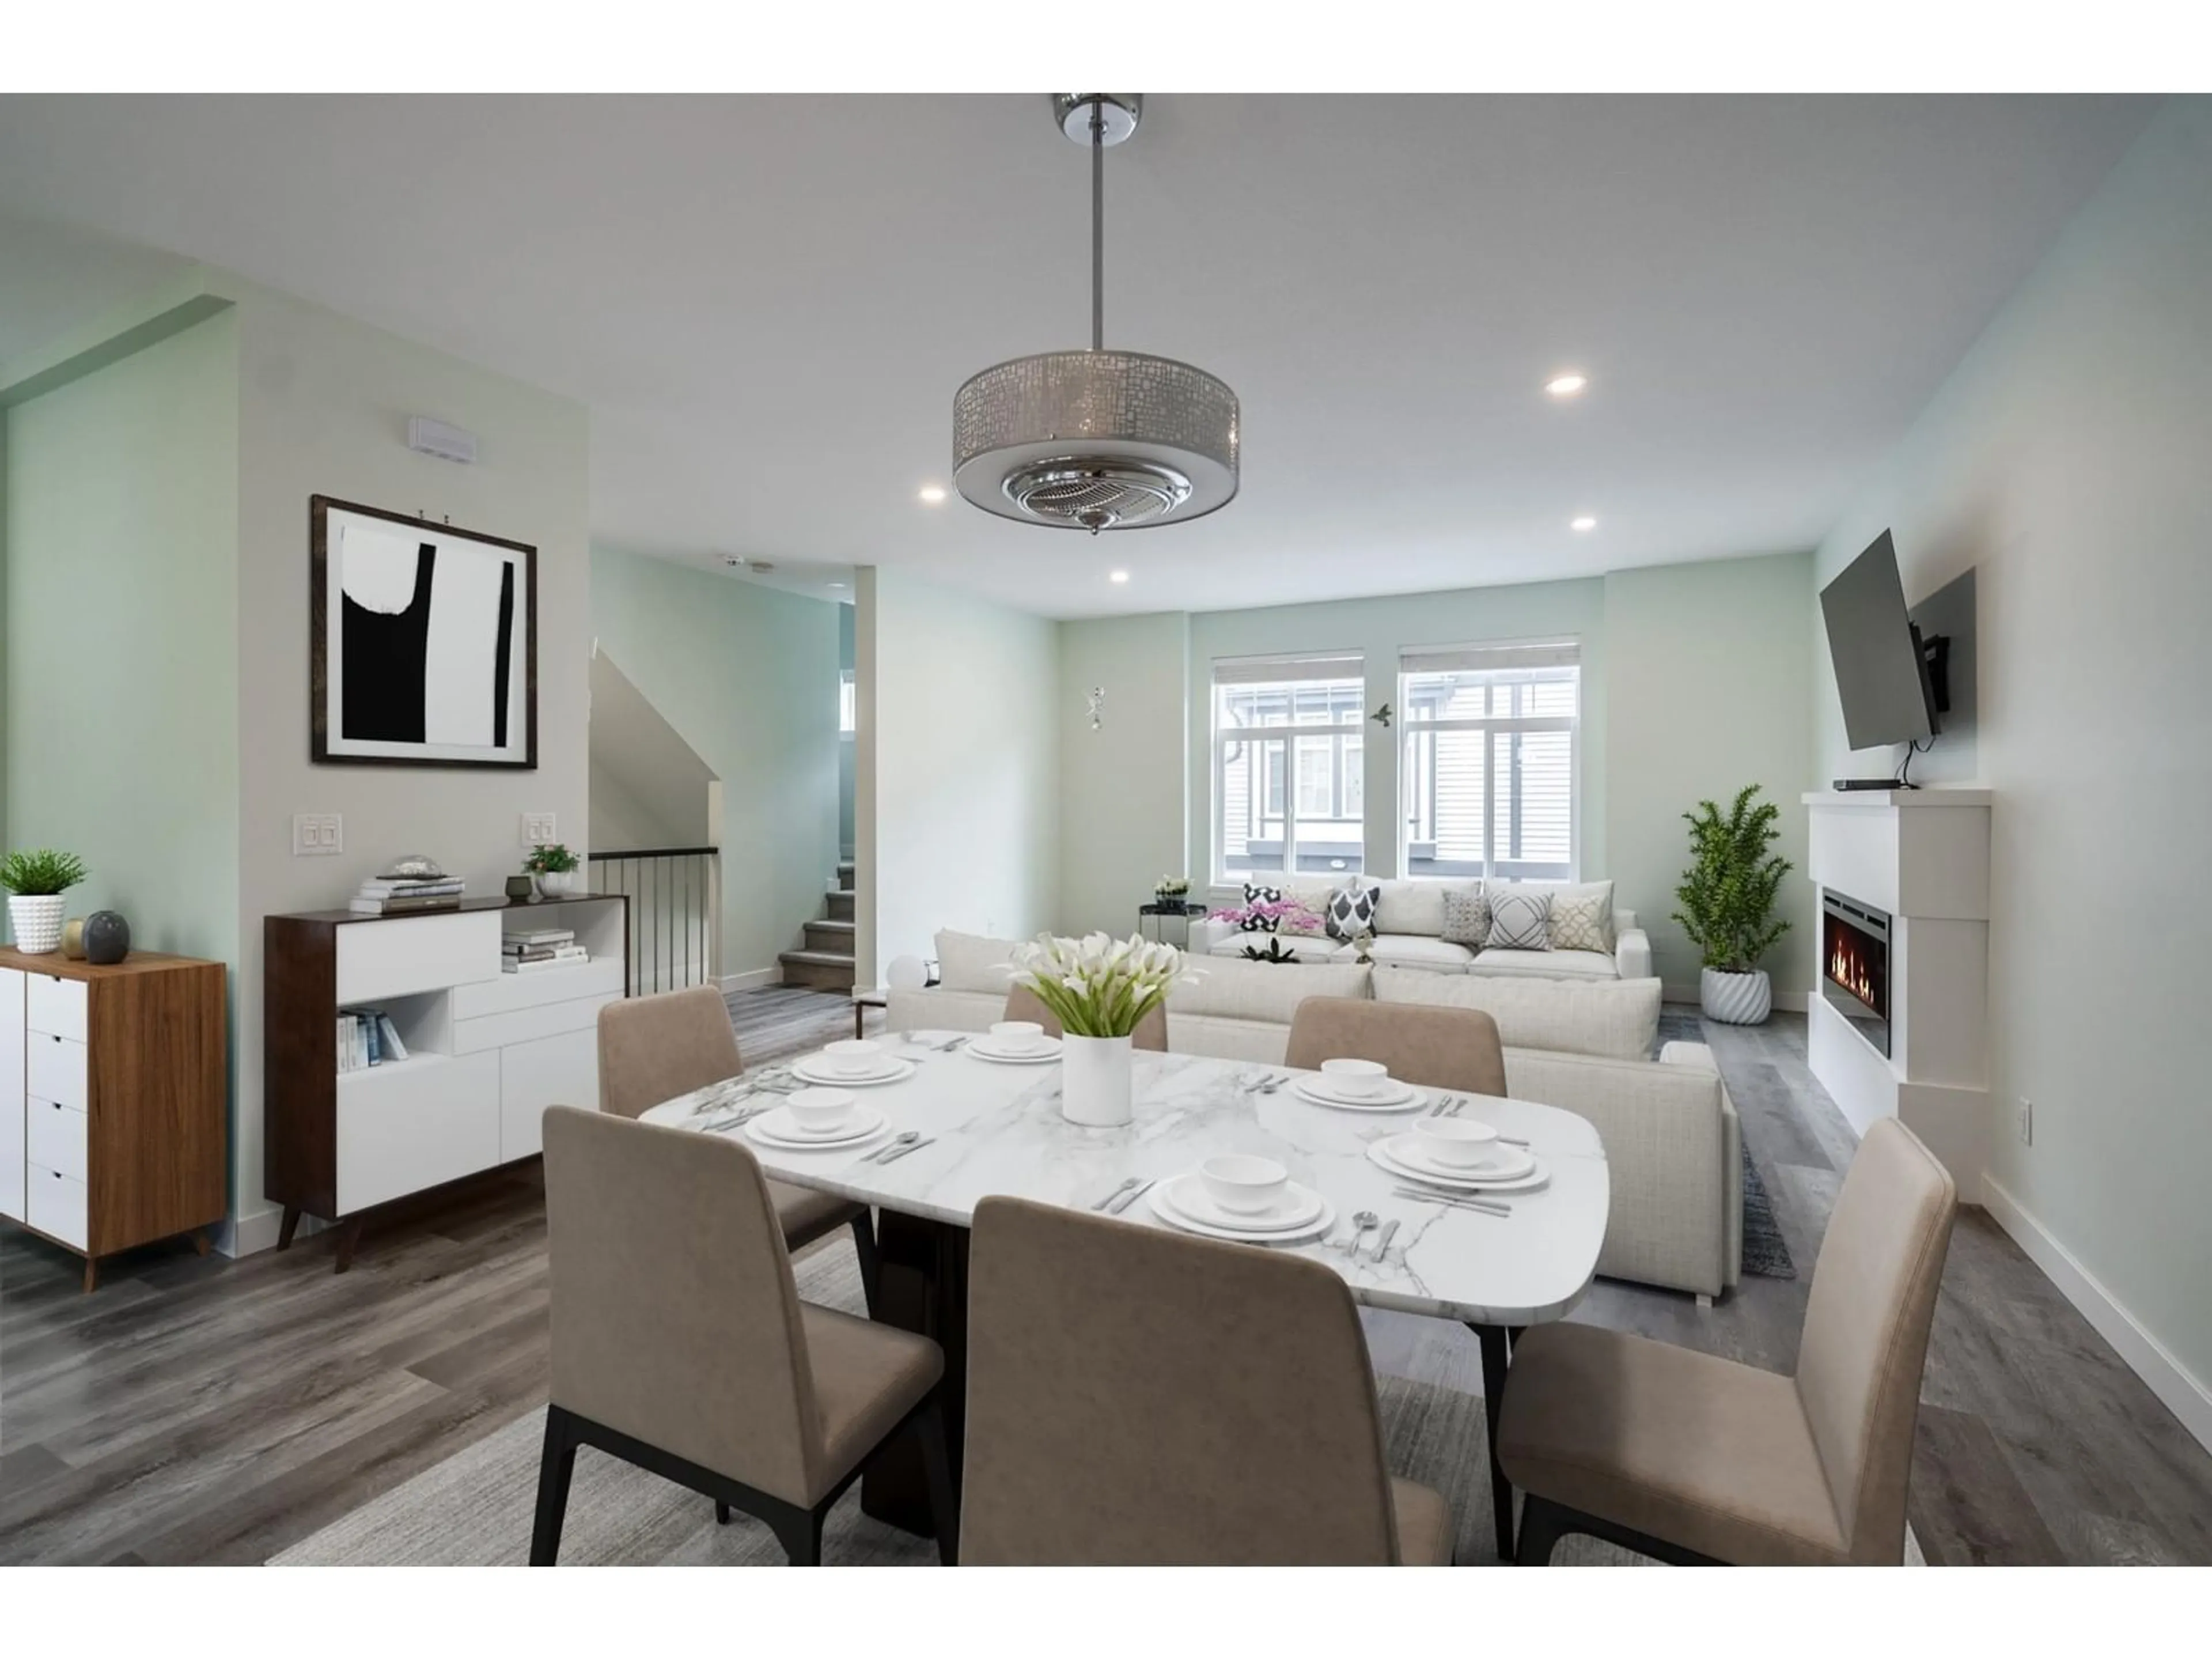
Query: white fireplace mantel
{"points": [[1924, 856]]}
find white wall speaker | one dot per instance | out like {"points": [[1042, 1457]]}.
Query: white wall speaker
{"points": [[448, 443]]}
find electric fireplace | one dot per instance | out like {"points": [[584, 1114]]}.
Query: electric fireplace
{"points": [[1855, 962]]}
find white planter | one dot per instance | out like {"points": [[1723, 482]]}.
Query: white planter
{"points": [[557, 884], [1094, 1085], [1735, 998], [37, 920]]}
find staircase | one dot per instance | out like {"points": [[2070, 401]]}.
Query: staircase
{"points": [[824, 961]]}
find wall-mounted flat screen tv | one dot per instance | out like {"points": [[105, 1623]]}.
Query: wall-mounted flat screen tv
{"points": [[1882, 670]]}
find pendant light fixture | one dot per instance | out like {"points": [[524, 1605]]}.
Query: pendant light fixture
{"points": [[1096, 440]]}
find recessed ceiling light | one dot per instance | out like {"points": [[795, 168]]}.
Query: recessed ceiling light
{"points": [[1118, 576], [1566, 385], [1585, 522], [932, 493], [836, 584]]}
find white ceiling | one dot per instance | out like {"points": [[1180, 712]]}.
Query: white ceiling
{"points": [[769, 302]]}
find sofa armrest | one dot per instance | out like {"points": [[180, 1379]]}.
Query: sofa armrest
{"points": [[1205, 935], [1632, 953]]}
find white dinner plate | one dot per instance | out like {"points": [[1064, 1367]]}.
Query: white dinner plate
{"points": [[814, 1069], [1046, 1053], [1396, 1098], [779, 1129], [1387, 1155], [1165, 1209], [1187, 1196]]}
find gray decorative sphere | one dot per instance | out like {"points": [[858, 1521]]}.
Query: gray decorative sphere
{"points": [[107, 938]]}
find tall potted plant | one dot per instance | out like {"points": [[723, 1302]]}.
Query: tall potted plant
{"points": [[1099, 989], [1727, 896], [35, 883]]}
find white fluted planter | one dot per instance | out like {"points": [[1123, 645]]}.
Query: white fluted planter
{"points": [[557, 884], [37, 920], [1095, 1086], [1735, 998]]}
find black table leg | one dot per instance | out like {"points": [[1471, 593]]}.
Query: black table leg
{"points": [[922, 1285], [1495, 1342]]}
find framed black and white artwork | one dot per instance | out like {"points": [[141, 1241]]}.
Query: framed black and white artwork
{"points": [[424, 646]]}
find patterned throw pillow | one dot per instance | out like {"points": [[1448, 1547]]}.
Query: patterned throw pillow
{"points": [[1256, 895], [1352, 910], [1520, 921], [1582, 918], [1466, 917]]}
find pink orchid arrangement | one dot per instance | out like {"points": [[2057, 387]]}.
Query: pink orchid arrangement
{"points": [[1274, 916]]}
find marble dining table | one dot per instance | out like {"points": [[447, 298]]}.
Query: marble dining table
{"points": [[985, 1129]]}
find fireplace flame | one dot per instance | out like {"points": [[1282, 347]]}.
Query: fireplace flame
{"points": [[1845, 968]]}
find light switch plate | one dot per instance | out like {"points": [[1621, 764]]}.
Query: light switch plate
{"points": [[537, 829], [317, 835]]}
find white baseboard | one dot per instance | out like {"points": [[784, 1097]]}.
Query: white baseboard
{"points": [[250, 1235], [750, 981], [2184, 1395], [1789, 1002]]}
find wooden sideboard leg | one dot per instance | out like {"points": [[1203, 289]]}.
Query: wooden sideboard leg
{"points": [[348, 1237], [290, 1224], [91, 1274]]}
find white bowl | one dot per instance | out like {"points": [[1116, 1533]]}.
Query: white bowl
{"points": [[1016, 1036], [1243, 1184], [820, 1111], [852, 1055], [1461, 1142], [1357, 1077]]}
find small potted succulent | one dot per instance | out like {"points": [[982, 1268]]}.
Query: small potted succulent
{"points": [[35, 883], [1727, 896], [556, 868]]}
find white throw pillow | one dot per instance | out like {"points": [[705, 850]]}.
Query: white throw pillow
{"points": [[1581, 914], [968, 962], [1411, 907], [1617, 1018], [1519, 920]]}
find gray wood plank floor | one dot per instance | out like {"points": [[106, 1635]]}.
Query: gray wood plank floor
{"points": [[212, 1411]]}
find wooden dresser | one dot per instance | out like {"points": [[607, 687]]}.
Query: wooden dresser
{"points": [[487, 1052], [114, 1100]]}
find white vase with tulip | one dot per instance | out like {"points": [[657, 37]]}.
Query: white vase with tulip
{"points": [[1100, 990]]}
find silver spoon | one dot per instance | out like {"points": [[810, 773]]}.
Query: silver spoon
{"points": [[892, 1144], [1360, 1224]]}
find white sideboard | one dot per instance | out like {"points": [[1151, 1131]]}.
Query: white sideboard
{"points": [[486, 1051]]}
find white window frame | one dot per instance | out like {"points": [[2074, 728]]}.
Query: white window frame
{"points": [[1321, 666], [1502, 656], [849, 703]]}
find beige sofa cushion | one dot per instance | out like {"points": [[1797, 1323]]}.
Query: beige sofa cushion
{"points": [[1547, 964], [1235, 989], [1317, 948], [1411, 907], [1419, 951], [1619, 1020], [968, 962]]}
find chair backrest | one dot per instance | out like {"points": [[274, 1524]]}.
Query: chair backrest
{"points": [[675, 1316], [1435, 1047], [1022, 1003], [653, 1048], [1866, 1331], [1136, 1396]]}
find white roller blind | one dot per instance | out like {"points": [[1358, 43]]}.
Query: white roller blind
{"points": [[1491, 659], [1278, 671]]}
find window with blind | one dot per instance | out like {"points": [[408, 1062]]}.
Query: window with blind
{"points": [[1488, 783], [1288, 780]]}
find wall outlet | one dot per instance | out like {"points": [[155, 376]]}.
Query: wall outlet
{"points": [[317, 835], [2027, 1121], [537, 829]]}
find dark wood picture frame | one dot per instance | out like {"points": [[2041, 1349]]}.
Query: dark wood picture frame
{"points": [[318, 685]]}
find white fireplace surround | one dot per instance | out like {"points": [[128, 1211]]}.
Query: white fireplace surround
{"points": [[1924, 856]]}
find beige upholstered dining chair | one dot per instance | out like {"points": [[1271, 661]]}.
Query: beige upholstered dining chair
{"points": [[653, 1048], [1022, 1003], [680, 1344], [1138, 1397], [1435, 1047], [1693, 1459]]}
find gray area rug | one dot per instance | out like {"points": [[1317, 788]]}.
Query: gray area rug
{"points": [[1764, 1251], [475, 1509]]}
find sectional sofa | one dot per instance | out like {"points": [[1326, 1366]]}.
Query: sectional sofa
{"points": [[1671, 1136], [1409, 927]]}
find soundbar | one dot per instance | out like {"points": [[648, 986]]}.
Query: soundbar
{"points": [[1846, 786]]}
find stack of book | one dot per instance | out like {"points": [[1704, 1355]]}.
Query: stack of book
{"points": [[399, 895], [541, 947], [367, 1037]]}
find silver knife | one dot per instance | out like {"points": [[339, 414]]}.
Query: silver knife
{"points": [[1129, 1198], [894, 1156], [1383, 1244]]}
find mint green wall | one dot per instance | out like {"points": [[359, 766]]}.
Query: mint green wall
{"points": [[1122, 786], [845, 745], [122, 638], [1708, 682], [747, 676], [1379, 628]]}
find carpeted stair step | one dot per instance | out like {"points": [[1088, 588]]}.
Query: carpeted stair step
{"points": [[826, 970], [831, 936]]}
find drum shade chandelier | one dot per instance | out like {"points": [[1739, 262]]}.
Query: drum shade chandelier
{"points": [[1096, 440]]}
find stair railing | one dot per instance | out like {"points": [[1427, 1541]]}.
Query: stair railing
{"points": [[675, 913]]}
